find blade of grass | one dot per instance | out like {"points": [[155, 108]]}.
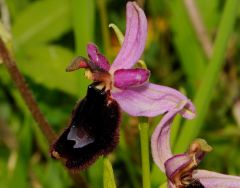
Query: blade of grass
{"points": [[108, 176], [124, 154], [192, 57], [83, 18], [157, 176], [95, 174], [104, 26], [83, 24], [204, 94], [41, 27], [199, 27]]}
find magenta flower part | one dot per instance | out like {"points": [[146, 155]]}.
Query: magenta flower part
{"points": [[125, 78], [97, 58]]}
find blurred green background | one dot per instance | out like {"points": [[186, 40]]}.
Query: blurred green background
{"points": [[48, 34]]}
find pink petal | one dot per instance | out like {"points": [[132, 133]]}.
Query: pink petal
{"points": [[97, 58], [160, 141], [151, 100], [216, 180], [170, 185], [176, 163], [125, 78], [135, 38]]}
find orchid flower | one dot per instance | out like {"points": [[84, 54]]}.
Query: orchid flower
{"points": [[130, 86], [181, 169], [121, 83]]}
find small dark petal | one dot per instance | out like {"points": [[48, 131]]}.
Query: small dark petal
{"points": [[96, 121], [77, 63], [195, 184], [97, 58], [81, 62]]}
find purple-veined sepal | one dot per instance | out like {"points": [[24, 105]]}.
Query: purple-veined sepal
{"points": [[151, 100], [216, 180], [160, 141], [134, 40], [97, 58]]}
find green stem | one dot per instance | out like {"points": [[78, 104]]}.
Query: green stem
{"points": [[204, 95], [144, 137], [83, 15], [126, 157], [83, 19], [104, 26]]}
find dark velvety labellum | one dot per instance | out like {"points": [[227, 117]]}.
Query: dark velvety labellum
{"points": [[93, 130], [195, 184]]}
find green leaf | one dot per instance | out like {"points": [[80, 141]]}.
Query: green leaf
{"points": [[210, 13], [124, 153], [4, 157], [108, 176], [83, 14], [191, 55], [16, 6], [41, 141], [19, 176], [204, 94], [95, 173], [46, 65], [52, 174], [157, 176], [164, 185], [41, 21]]}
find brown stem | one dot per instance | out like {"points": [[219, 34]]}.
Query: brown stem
{"points": [[32, 105], [199, 27], [26, 93]]}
